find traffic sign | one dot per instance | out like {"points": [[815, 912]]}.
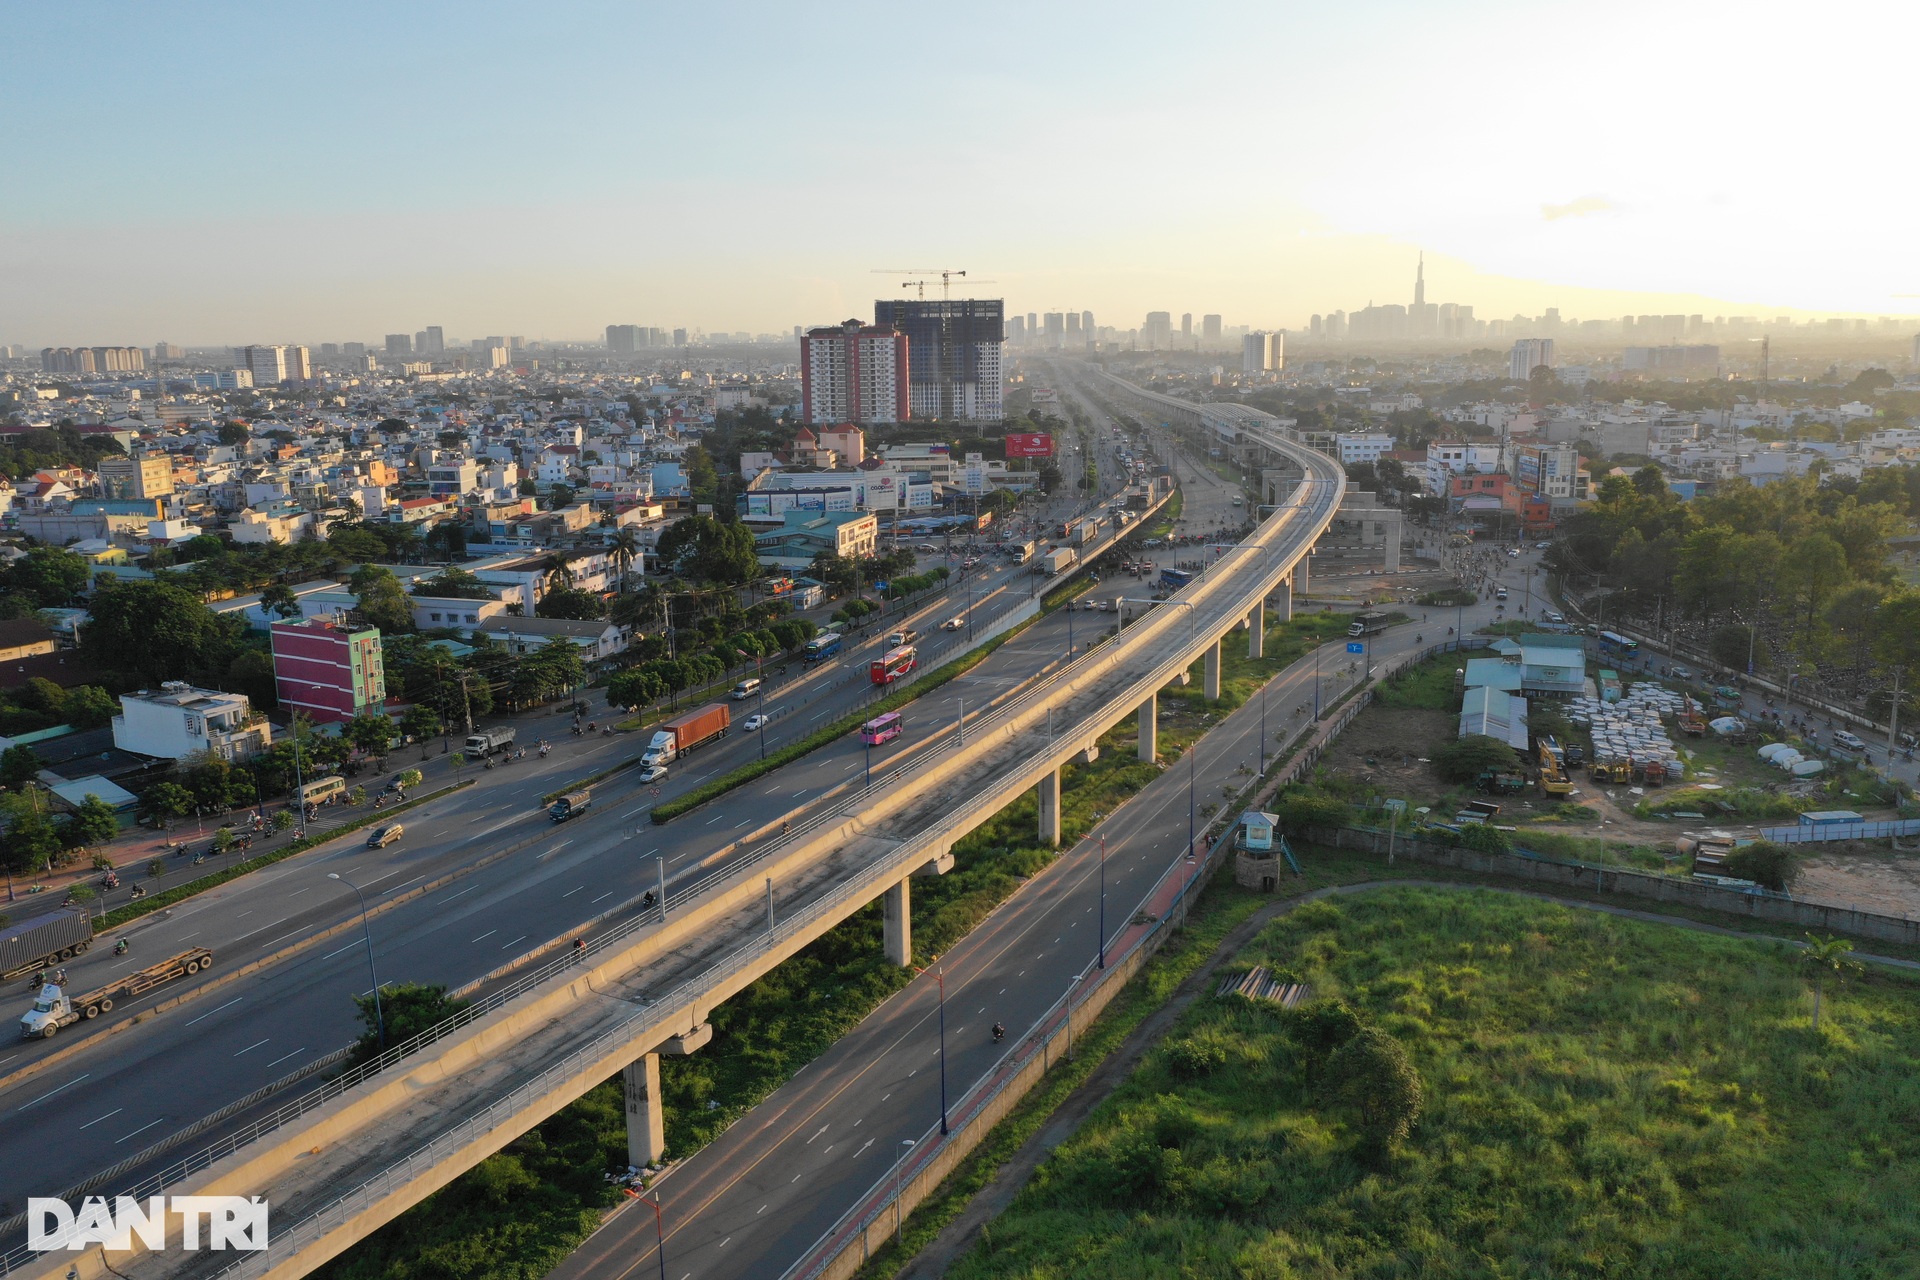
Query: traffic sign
{"points": [[1354, 646]]}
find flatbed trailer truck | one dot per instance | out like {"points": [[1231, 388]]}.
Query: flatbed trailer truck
{"points": [[53, 1008]]}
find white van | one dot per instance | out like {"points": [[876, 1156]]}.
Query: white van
{"points": [[1848, 740], [746, 688]]}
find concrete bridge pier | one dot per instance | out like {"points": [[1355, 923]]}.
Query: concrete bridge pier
{"points": [[1150, 729], [1257, 631], [1211, 671], [897, 918], [1302, 575], [1050, 809], [1282, 598], [646, 1119]]}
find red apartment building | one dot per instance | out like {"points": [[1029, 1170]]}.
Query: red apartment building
{"points": [[327, 670]]}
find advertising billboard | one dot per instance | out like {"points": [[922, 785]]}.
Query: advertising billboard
{"points": [[1029, 444]]}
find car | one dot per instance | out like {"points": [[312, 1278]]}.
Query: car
{"points": [[953, 624], [381, 837], [654, 773], [1554, 615], [1680, 673], [1089, 605], [927, 549], [1850, 741], [1501, 594], [1542, 546], [1513, 551], [756, 721], [746, 688], [968, 563]]}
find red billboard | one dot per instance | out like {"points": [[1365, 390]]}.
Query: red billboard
{"points": [[1029, 444]]}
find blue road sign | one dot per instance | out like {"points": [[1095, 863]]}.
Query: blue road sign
{"points": [[1354, 646]]}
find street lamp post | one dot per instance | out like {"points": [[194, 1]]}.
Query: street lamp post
{"points": [[366, 923], [659, 1234], [1103, 902], [940, 977]]}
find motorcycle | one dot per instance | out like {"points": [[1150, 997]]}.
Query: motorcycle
{"points": [[121, 947], [999, 1033]]}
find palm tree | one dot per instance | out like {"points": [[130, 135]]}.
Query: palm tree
{"points": [[1827, 957], [624, 547]]}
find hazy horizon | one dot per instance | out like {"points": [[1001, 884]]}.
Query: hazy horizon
{"points": [[214, 174]]}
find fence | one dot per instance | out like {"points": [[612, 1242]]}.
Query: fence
{"points": [[1826, 832]]}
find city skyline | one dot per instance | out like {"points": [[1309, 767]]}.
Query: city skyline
{"points": [[563, 204]]}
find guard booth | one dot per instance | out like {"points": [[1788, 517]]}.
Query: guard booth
{"points": [[1257, 850]]}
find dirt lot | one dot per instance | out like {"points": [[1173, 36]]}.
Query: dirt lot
{"points": [[1383, 745]]}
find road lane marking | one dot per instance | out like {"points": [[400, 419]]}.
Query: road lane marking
{"points": [[137, 1132], [297, 892], [283, 1057], [569, 893], [738, 825], [469, 889], [48, 1094], [350, 946], [483, 937], [715, 818], [209, 1013], [816, 1133], [404, 883], [110, 1115], [602, 898], [255, 1045], [505, 945]]}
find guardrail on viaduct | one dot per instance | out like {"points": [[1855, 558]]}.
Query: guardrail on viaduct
{"points": [[360, 1158]]}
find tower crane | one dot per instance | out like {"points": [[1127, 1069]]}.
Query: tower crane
{"points": [[947, 276]]}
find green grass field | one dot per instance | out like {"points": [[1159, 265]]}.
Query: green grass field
{"points": [[1602, 1098]]}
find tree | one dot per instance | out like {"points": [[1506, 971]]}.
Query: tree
{"points": [[18, 765], [157, 631], [702, 548], [455, 584], [93, 823], [1769, 865], [164, 801], [1373, 1074], [835, 571], [571, 602], [420, 723], [624, 548], [1827, 958], [357, 542], [405, 1010], [381, 599], [279, 601], [29, 842], [372, 732], [1465, 759], [89, 707], [50, 576], [234, 433], [560, 495], [1299, 811], [552, 669]]}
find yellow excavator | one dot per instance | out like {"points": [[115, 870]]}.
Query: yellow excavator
{"points": [[1553, 778]]}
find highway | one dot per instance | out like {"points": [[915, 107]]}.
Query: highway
{"points": [[833, 865], [113, 1098]]}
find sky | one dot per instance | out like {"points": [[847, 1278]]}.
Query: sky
{"points": [[212, 173]]}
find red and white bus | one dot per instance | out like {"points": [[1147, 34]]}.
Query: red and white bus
{"points": [[896, 663], [882, 729]]}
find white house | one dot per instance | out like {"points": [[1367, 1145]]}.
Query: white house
{"points": [[181, 721]]}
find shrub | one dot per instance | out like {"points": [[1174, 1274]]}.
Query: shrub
{"points": [[1372, 1073], [1300, 810], [1769, 865], [1485, 839], [1464, 759]]}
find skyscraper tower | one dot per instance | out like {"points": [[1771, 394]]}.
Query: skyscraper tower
{"points": [[1420, 282]]}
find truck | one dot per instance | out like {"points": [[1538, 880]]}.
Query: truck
{"points": [[1368, 623], [570, 806], [675, 737], [1064, 530], [1020, 552], [53, 1008], [487, 742], [1088, 531], [1058, 561], [1692, 723], [43, 941]]}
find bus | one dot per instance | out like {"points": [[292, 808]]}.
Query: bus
{"points": [[1174, 579], [823, 646], [321, 791], [882, 729], [1614, 640], [896, 663]]}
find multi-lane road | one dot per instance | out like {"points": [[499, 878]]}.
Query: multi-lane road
{"points": [[480, 881]]}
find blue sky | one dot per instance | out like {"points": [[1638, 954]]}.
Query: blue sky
{"points": [[226, 172]]}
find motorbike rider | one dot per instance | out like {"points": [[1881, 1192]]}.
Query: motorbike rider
{"points": [[999, 1032]]}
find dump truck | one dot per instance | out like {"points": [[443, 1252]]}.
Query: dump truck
{"points": [[1494, 782], [675, 737], [487, 742], [53, 1008], [43, 941]]}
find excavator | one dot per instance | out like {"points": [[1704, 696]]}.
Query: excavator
{"points": [[1553, 778]]}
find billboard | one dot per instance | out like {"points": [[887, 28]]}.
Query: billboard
{"points": [[1029, 444]]}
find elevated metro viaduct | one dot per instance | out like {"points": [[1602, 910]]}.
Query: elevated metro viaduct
{"points": [[356, 1159]]}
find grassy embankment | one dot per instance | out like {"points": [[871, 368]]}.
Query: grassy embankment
{"points": [[1602, 1097], [521, 1211]]}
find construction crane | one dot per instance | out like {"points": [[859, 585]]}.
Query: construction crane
{"points": [[946, 274]]}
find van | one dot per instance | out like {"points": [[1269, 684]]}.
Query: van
{"points": [[321, 791], [746, 688], [896, 639], [384, 836], [1850, 741]]}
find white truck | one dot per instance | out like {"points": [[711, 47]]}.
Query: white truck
{"points": [[1058, 561], [488, 741], [53, 1008]]}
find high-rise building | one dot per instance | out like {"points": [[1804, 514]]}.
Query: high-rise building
{"points": [[1073, 325], [1529, 354], [954, 349], [1422, 317], [435, 343], [399, 344], [855, 373], [353, 350], [1157, 333], [420, 342], [168, 351], [92, 359], [1210, 329], [1016, 329], [328, 669], [679, 337], [1033, 325], [1256, 354], [623, 339], [149, 475], [267, 364], [1086, 325], [1186, 326], [299, 364], [1056, 329]]}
